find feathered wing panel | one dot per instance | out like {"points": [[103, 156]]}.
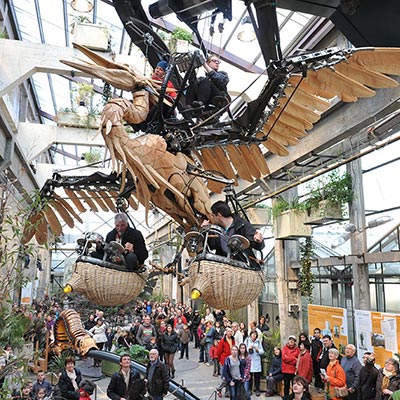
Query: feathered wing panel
{"points": [[305, 98]]}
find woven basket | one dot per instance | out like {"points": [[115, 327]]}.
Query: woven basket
{"points": [[224, 286], [105, 286]]}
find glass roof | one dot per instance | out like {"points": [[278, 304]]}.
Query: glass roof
{"points": [[50, 21]]}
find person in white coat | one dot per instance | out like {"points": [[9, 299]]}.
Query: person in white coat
{"points": [[255, 349], [98, 333]]}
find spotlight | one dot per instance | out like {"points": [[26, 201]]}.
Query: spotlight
{"points": [[83, 6], [195, 294], [351, 229], [67, 288], [247, 33]]}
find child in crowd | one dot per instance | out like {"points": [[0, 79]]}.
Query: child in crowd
{"points": [[110, 337], [41, 394], [152, 344], [214, 357]]}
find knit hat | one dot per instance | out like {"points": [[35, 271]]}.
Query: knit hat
{"points": [[163, 65]]}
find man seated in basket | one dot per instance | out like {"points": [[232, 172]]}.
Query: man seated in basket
{"points": [[134, 253], [234, 225]]}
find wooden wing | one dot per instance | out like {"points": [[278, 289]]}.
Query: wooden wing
{"points": [[303, 103]]}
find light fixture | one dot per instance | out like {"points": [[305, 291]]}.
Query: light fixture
{"points": [[195, 294], [83, 6], [247, 33], [350, 230], [82, 110]]}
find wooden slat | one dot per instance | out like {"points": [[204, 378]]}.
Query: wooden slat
{"points": [[275, 147], [68, 207], [260, 159], [41, 231], [74, 198], [366, 76], [62, 212], [224, 162], [53, 221], [385, 60], [236, 158], [106, 197], [85, 197], [98, 200], [250, 162], [307, 100]]}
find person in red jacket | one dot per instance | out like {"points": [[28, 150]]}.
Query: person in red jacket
{"points": [[290, 353], [224, 351], [304, 362]]}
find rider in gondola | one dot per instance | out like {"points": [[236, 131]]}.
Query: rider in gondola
{"points": [[234, 225], [135, 252]]}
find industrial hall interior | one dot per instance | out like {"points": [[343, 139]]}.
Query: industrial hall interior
{"points": [[250, 146]]}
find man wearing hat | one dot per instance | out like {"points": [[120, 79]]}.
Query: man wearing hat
{"points": [[290, 353]]}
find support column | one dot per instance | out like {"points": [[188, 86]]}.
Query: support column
{"points": [[362, 300], [285, 252]]}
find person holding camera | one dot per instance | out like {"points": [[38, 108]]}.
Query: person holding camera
{"points": [[255, 349]]}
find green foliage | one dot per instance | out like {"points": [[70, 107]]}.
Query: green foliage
{"points": [[335, 188], [182, 34], [281, 205], [306, 277], [57, 363], [13, 253], [92, 156], [3, 34], [270, 342], [137, 352], [83, 92]]}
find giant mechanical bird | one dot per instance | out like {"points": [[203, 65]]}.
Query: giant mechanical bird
{"points": [[175, 163]]}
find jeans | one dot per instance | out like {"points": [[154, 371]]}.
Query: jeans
{"points": [[234, 389], [246, 385], [287, 379]]}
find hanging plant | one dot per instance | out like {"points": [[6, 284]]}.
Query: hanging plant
{"points": [[306, 277]]}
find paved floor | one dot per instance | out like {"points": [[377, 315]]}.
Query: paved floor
{"points": [[197, 377]]}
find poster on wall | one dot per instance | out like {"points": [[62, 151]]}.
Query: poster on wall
{"points": [[332, 321], [378, 333]]}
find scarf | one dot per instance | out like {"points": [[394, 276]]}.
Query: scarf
{"points": [[72, 376], [386, 378]]}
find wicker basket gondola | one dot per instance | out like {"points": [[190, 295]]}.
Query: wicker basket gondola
{"points": [[223, 283], [106, 286]]}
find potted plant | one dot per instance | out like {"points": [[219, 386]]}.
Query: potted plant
{"points": [[93, 36], [83, 115], [328, 198], [289, 218], [92, 156], [260, 215], [180, 40]]}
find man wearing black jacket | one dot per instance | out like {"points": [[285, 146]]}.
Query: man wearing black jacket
{"points": [[316, 351], [135, 252], [157, 377], [122, 381], [324, 357], [234, 225]]}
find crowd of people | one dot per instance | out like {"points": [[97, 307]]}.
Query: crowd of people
{"points": [[233, 349]]}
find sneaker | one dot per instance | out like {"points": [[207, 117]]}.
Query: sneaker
{"points": [[187, 358], [219, 393], [180, 358], [208, 364], [257, 393]]}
